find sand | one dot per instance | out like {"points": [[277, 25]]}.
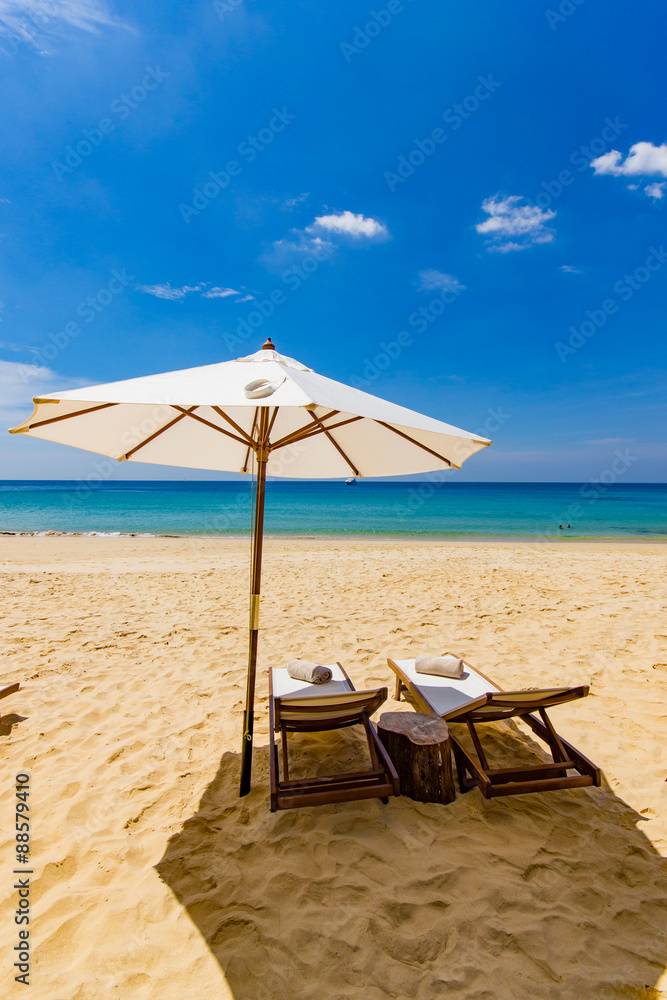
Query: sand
{"points": [[151, 877]]}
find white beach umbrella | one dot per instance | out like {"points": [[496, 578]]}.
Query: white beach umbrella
{"points": [[266, 409]]}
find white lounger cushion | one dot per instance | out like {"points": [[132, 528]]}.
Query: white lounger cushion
{"points": [[339, 692], [446, 694], [285, 686]]}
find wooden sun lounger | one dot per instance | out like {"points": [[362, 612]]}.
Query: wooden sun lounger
{"points": [[475, 698], [298, 707]]}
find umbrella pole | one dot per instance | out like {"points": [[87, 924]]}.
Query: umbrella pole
{"points": [[255, 586]]}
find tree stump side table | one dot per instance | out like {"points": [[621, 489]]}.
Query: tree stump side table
{"points": [[420, 747]]}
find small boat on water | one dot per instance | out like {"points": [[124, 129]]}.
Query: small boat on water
{"points": [[351, 482]]}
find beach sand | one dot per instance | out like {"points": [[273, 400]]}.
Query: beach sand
{"points": [[152, 879]]}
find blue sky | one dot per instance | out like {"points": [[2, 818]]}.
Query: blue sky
{"points": [[489, 180]]}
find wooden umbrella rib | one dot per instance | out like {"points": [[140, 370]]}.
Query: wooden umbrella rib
{"points": [[251, 446], [271, 423], [305, 433], [341, 423], [415, 442], [335, 443], [325, 416], [208, 423], [288, 438], [66, 416], [225, 416], [157, 433], [307, 429]]}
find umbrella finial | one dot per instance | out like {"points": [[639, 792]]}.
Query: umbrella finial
{"points": [[268, 345]]}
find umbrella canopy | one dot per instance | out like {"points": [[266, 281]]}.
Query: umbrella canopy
{"points": [[265, 408], [206, 418]]}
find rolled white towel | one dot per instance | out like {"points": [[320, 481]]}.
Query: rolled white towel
{"points": [[312, 673], [440, 666]]}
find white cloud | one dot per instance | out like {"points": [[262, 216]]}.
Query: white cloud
{"points": [[430, 280], [284, 252], [569, 269], [219, 293], [644, 160], [507, 218], [165, 291], [349, 224], [296, 200], [656, 190], [313, 239], [17, 348], [606, 441], [19, 382], [34, 22]]}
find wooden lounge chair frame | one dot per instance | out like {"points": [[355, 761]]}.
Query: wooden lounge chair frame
{"points": [[317, 713], [4, 693], [500, 705]]}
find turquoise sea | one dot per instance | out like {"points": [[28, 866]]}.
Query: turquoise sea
{"points": [[368, 508]]}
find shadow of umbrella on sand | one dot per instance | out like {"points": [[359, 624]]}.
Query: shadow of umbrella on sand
{"points": [[557, 897], [265, 412]]}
